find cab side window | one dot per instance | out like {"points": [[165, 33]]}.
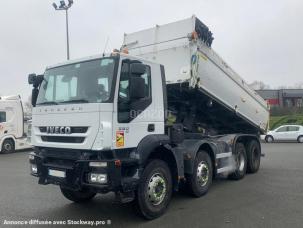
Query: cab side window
{"points": [[147, 79], [124, 83], [129, 109], [2, 117]]}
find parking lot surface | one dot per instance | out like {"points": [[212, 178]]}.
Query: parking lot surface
{"points": [[271, 198]]}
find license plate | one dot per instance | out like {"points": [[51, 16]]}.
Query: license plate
{"points": [[56, 173]]}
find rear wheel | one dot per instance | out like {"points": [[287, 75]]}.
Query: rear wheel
{"points": [[240, 162], [77, 196], [253, 156], [269, 139], [200, 181], [8, 146], [155, 190], [300, 139]]}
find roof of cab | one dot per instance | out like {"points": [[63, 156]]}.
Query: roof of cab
{"points": [[88, 58]]}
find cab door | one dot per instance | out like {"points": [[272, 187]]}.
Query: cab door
{"points": [[138, 108]]}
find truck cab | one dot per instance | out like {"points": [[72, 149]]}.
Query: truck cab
{"points": [[101, 103], [12, 125]]}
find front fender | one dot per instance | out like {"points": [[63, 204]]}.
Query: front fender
{"points": [[148, 144], [152, 143]]}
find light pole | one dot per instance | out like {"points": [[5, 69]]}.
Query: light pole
{"points": [[65, 7]]}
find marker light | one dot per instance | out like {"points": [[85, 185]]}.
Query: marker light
{"points": [[194, 35]]}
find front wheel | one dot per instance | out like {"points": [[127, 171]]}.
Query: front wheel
{"points": [[154, 190], [269, 139], [200, 181], [8, 146], [77, 196]]}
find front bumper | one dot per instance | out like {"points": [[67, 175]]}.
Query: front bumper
{"points": [[77, 173]]}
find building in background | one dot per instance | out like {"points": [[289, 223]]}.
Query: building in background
{"points": [[284, 98]]}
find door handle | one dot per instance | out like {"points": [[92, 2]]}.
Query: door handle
{"points": [[151, 127]]}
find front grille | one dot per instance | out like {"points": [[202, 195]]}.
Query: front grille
{"points": [[73, 154], [63, 153], [62, 139], [74, 130], [55, 162]]}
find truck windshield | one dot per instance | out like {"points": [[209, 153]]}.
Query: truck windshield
{"points": [[83, 82]]}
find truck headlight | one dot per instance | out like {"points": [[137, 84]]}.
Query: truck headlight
{"points": [[34, 169], [98, 164], [97, 178]]}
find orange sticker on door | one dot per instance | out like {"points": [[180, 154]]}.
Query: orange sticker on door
{"points": [[119, 138]]}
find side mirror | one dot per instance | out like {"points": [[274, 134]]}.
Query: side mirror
{"points": [[31, 78], [136, 88], [35, 80], [35, 93], [137, 69]]}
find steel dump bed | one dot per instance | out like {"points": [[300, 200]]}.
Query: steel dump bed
{"points": [[184, 48]]}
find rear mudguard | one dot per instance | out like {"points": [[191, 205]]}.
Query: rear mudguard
{"points": [[192, 146]]}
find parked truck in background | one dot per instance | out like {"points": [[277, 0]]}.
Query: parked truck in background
{"points": [[13, 127], [169, 113]]}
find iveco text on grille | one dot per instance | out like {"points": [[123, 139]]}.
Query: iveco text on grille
{"points": [[58, 130]]}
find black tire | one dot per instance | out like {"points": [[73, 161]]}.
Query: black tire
{"points": [[8, 146], [253, 156], [241, 162], [300, 139], [199, 187], [77, 196], [269, 139], [146, 205]]}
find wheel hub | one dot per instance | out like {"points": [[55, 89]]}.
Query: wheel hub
{"points": [[202, 173], [7, 147], [156, 189]]}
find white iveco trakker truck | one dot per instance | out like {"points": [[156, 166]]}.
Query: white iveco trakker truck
{"points": [[13, 127], [169, 113]]}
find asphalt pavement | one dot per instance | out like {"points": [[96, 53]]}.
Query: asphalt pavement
{"points": [[273, 197]]}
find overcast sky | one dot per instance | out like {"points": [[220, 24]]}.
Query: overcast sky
{"points": [[261, 40]]}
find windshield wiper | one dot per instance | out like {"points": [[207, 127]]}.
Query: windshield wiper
{"points": [[75, 101], [48, 103]]}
